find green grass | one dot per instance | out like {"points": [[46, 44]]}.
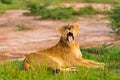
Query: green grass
{"points": [[110, 56]]}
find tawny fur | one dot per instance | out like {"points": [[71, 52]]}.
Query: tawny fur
{"points": [[64, 56]]}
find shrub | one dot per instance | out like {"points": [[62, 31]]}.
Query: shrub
{"points": [[45, 12], [54, 13], [6, 1], [88, 10], [62, 13], [114, 18], [35, 9]]}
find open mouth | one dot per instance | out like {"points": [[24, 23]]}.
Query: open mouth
{"points": [[70, 37]]}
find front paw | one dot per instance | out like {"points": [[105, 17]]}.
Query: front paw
{"points": [[73, 69], [102, 65]]}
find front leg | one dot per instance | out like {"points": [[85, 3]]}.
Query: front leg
{"points": [[89, 63], [70, 69]]}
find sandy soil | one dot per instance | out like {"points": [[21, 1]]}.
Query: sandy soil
{"points": [[43, 33]]}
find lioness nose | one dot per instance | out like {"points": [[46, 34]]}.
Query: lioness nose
{"points": [[70, 34]]}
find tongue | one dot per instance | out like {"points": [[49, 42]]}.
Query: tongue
{"points": [[70, 39]]}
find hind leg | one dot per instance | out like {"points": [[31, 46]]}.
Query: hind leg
{"points": [[26, 65]]}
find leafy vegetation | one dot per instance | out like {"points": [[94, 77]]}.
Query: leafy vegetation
{"points": [[6, 1], [86, 11], [13, 4], [111, 56], [113, 16], [22, 4], [60, 12], [55, 13]]}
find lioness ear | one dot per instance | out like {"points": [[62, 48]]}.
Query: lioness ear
{"points": [[76, 26]]}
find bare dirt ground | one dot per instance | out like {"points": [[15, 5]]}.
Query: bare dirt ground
{"points": [[43, 33]]}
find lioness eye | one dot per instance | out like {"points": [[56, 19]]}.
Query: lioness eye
{"points": [[65, 27]]}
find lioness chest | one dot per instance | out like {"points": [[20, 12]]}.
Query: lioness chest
{"points": [[66, 52]]}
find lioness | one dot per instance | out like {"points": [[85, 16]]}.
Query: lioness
{"points": [[64, 56]]}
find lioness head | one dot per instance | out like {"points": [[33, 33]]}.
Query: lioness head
{"points": [[68, 32]]}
